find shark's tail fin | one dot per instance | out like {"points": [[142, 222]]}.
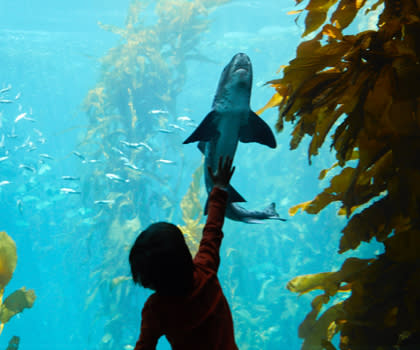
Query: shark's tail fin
{"points": [[272, 213]]}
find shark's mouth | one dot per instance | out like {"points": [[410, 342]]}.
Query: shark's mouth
{"points": [[241, 67]]}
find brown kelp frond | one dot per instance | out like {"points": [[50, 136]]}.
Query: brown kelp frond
{"points": [[363, 90]]}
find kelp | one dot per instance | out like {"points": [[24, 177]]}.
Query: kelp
{"points": [[20, 299], [13, 343], [192, 212], [363, 90]]}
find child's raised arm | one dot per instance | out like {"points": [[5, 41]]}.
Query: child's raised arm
{"points": [[224, 173], [208, 252]]}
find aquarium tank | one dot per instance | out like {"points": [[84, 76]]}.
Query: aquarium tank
{"points": [[96, 100]]}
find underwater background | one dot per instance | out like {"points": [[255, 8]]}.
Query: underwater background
{"points": [[72, 248]]}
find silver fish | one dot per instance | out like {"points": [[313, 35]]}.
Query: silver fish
{"points": [[184, 118], [3, 90], [79, 155], [70, 178], [158, 111], [20, 116], [46, 156], [165, 161], [69, 190], [137, 145], [177, 127], [27, 167], [104, 201], [117, 178]]}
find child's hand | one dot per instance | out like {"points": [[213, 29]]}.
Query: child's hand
{"points": [[224, 173]]}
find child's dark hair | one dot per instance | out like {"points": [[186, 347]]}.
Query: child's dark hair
{"points": [[160, 260]]}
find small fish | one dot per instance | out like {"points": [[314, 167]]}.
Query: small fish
{"points": [[104, 201], [69, 191], [177, 127], [131, 166], [165, 131], [94, 161], [115, 177], [136, 145], [2, 141], [18, 95], [184, 118], [2, 159], [119, 151], [12, 135], [46, 156], [70, 178], [20, 116], [30, 119], [158, 111], [79, 155], [165, 161], [6, 101], [2, 91], [19, 205], [4, 182], [38, 132], [27, 167]]}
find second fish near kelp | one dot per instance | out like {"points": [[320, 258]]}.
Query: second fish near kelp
{"points": [[231, 120]]}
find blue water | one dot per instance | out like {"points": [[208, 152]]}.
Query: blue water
{"points": [[49, 54]]}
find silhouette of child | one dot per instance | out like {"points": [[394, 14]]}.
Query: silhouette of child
{"points": [[188, 305]]}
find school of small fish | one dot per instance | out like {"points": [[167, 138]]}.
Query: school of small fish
{"points": [[25, 155]]}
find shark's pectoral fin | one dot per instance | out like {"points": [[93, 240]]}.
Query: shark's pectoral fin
{"points": [[257, 130], [205, 131]]}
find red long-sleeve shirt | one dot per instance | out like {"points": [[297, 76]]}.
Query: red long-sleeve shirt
{"points": [[202, 320]]}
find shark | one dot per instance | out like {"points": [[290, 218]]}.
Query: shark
{"points": [[229, 122]]}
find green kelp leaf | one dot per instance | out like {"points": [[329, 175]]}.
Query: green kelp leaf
{"points": [[364, 226], [192, 212], [308, 323], [13, 343], [15, 303], [314, 20], [404, 246], [330, 282], [346, 11], [320, 330], [305, 283], [8, 259]]}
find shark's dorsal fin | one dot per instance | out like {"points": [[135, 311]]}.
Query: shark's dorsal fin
{"points": [[205, 131], [257, 130]]}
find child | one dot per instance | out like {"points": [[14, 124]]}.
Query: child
{"points": [[189, 307]]}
